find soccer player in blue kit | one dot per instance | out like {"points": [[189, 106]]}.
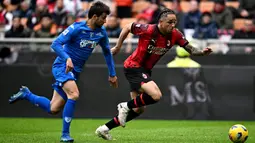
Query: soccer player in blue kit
{"points": [[73, 47]]}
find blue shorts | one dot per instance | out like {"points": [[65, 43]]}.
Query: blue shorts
{"points": [[61, 77]]}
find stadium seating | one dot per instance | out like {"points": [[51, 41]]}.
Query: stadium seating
{"points": [[238, 23], [139, 6], [185, 6], [168, 4], [234, 4], [206, 6], [125, 21]]}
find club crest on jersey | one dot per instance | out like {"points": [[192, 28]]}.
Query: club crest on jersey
{"points": [[144, 76], [168, 43]]}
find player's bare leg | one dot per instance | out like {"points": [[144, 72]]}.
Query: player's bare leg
{"points": [[103, 131], [57, 103], [151, 95], [72, 92]]}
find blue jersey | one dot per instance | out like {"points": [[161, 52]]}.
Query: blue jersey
{"points": [[78, 41]]}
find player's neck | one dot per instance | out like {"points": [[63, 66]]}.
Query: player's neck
{"points": [[160, 30], [90, 24]]}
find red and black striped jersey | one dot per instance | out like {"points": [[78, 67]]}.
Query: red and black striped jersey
{"points": [[146, 54]]}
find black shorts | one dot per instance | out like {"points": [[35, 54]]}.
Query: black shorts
{"points": [[136, 77]]}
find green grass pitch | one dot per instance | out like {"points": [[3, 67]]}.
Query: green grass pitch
{"points": [[33, 130]]}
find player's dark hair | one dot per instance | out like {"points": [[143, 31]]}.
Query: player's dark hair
{"points": [[164, 13], [98, 8]]}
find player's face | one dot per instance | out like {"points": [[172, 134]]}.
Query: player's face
{"points": [[100, 21], [168, 23]]}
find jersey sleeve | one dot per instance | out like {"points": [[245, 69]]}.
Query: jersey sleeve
{"points": [[180, 39], [139, 29], [104, 43], [63, 38]]}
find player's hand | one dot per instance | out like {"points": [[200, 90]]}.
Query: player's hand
{"points": [[113, 81], [69, 65], [207, 51], [115, 50]]}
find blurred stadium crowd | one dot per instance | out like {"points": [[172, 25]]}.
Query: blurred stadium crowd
{"points": [[197, 19], [201, 19]]}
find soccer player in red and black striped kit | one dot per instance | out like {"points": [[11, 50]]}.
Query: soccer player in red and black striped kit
{"points": [[154, 41]]}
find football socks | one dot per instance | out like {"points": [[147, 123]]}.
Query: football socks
{"points": [[40, 101], [141, 100], [115, 122], [68, 115]]}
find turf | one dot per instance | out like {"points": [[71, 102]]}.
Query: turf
{"points": [[31, 130]]}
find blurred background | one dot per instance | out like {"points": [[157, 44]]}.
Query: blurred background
{"points": [[193, 87]]}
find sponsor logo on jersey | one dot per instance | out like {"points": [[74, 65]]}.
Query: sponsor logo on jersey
{"points": [[156, 50], [87, 43]]}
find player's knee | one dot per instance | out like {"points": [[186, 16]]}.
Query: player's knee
{"points": [[54, 110], [157, 96], [74, 95]]}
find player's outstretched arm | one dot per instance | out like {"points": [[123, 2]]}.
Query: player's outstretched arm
{"points": [[195, 52], [123, 35], [111, 67], [104, 43]]}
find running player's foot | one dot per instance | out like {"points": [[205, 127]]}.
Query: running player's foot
{"points": [[23, 92], [123, 112], [103, 132], [66, 138]]}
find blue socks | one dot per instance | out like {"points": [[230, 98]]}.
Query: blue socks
{"points": [[40, 101], [68, 115], [44, 103]]}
